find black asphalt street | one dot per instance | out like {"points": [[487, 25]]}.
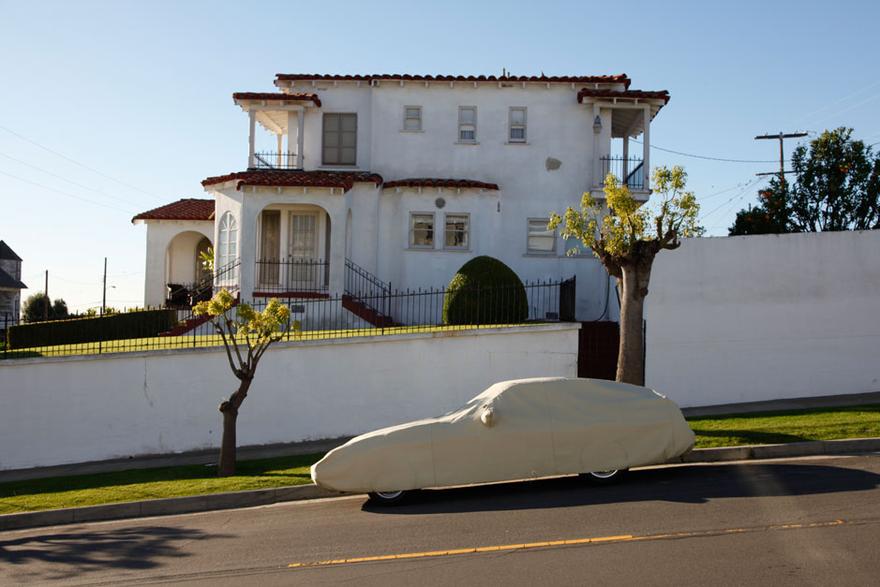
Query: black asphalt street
{"points": [[810, 521]]}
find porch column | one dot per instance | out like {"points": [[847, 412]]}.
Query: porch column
{"points": [[252, 121], [247, 246], [300, 138], [291, 160], [625, 157], [280, 138], [337, 249], [646, 147]]}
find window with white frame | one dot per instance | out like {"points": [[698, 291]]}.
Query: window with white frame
{"points": [[467, 124], [227, 240], [421, 230], [412, 118], [456, 231], [516, 124], [340, 139], [541, 241]]}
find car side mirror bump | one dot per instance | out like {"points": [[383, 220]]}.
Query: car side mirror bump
{"points": [[487, 417]]}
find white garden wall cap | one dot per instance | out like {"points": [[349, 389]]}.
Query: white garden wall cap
{"points": [[621, 78], [183, 209]]}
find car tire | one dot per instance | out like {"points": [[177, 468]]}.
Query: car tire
{"points": [[388, 498], [604, 477]]}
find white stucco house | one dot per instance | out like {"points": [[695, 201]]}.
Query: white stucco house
{"points": [[10, 286], [406, 177]]}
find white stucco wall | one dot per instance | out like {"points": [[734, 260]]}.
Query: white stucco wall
{"points": [[765, 317], [67, 410]]}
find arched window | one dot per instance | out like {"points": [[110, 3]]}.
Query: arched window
{"points": [[227, 241]]}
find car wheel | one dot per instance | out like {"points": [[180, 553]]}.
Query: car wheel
{"points": [[604, 477], [387, 497]]}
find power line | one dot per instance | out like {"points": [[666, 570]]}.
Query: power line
{"points": [[739, 194], [706, 157], [68, 194], [75, 162], [61, 177]]}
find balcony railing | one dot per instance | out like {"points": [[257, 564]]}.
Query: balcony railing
{"points": [[629, 171], [291, 277], [275, 160]]}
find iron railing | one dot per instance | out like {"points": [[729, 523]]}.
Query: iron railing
{"points": [[290, 277], [275, 160], [368, 289], [629, 171], [347, 316], [186, 295]]}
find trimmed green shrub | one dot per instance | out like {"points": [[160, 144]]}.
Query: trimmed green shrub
{"points": [[79, 330], [485, 291]]}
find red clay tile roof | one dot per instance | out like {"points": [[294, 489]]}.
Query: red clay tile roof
{"points": [[185, 209], [277, 96], [577, 79], [324, 179], [440, 183], [588, 93]]}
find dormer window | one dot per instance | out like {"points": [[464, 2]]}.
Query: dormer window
{"points": [[340, 139]]}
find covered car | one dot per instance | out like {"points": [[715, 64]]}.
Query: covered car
{"points": [[514, 430]]}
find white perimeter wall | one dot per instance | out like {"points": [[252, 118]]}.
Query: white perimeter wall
{"points": [[764, 317], [68, 410]]}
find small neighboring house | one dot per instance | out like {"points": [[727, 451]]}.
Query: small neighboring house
{"points": [[10, 285], [403, 178]]}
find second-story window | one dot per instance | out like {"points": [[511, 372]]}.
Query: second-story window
{"points": [[516, 125], [457, 228], [412, 118], [467, 124], [340, 139], [421, 230]]}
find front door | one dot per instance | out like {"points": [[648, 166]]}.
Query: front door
{"points": [[302, 249]]}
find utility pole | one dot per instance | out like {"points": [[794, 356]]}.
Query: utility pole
{"points": [[46, 295], [780, 137], [104, 298]]}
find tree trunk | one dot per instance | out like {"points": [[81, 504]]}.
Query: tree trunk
{"points": [[630, 355], [229, 409]]}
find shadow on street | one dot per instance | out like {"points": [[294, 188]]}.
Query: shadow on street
{"points": [[696, 484], [72, 554]]}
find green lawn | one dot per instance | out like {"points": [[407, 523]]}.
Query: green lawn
{"points": [[58, 492], [789, 426], [210, 340]]}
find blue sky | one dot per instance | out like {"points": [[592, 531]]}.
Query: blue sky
{"points": [[132, 99]]}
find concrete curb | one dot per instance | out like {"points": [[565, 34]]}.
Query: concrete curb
{"points": [[242, 499]]}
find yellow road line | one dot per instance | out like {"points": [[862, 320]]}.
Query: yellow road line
{"points": [[565, 542]]}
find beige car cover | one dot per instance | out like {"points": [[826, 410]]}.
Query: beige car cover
{"points": [[515, 430]]}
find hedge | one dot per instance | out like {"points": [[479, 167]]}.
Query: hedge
{"points": [[142, 324], [485, 291]]}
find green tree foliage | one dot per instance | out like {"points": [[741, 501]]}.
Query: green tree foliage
{"points": [[485, 291], [836, 186], [246, 334], [626, 236], [35, 305]]}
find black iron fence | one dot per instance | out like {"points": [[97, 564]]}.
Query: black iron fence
{"points": [[375, 311], [290, 277], [629, 171], [275, 160], [185, 295]]}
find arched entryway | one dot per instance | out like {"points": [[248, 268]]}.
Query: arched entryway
{"points": [[183, 267]]}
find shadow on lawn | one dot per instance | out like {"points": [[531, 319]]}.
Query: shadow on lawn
{"points": [[751, 436], [694, 484], [63, 555]]}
